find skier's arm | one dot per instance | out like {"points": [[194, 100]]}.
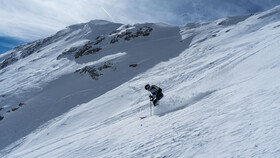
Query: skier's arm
{"points": [[154, 92]]}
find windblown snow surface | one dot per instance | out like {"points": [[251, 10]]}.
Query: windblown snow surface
{"points": [[220, 82]]}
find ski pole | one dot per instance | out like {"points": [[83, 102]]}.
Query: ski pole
{"points": [[150, 108]]}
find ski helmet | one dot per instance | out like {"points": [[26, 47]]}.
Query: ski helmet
{"points": [[147, 86]]}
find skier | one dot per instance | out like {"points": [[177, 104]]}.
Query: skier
{"points": [[156, 93]]}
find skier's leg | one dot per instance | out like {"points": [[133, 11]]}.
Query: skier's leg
{"points": [[159, 96], [155, 102]]}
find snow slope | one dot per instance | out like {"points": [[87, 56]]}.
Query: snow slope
{"points": [[54, 78], [220, 82]]}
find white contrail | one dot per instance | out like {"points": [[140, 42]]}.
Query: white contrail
{"points": [[108, 14]]}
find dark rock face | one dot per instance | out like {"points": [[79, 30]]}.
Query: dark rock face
{"points": [[94, 71], [96, 45], [28, 49]]}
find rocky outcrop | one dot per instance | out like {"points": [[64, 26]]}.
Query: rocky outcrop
{"points": [[94, 71]]}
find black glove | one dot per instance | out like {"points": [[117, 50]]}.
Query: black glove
{"points": [[151, 98]]}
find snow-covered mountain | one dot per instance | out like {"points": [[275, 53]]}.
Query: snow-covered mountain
{"points": [[80, 92]]}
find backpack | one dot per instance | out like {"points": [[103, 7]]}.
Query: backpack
{"points": [[159, 90]]}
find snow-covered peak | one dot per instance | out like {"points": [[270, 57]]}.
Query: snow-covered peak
{"points": [[93, 23], [100, 22]]}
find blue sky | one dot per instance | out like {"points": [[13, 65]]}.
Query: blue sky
{"points": [[28, 20], [6, 43]]}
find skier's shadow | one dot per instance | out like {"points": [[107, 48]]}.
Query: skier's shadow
{"points": [[191, 101]]}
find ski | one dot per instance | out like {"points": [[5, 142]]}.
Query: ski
{"points": [[143, 117]]}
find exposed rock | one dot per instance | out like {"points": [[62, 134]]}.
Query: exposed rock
{"points": [[99, 40], [8, 61], [133, 65], [87, 49], [67, 52], [105, 66], [20, 104], [113, 37], [94, 71], [112, 32], [91, 70], [114, 40], [14, 109]]}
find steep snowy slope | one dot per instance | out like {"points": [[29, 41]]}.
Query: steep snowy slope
{"points": [[44, 79], [222, 95]]}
